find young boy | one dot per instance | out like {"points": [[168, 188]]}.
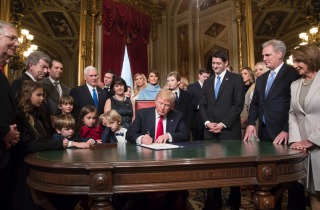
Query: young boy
{"points": [[64, 126], [113, 132], [183, 98], [65, 105]]}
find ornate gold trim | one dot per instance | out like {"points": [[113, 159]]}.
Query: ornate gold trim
{"points": [[249, 33], [238, 18]]}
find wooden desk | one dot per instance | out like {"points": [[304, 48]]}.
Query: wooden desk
{"points": [[128, 168]]}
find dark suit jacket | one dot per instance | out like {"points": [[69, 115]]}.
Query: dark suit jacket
{"points": [[276, 106], [195, 90], [145, 123], [82, 97], [184, 105], [16, 84], [226, 108], [52, 95], [7, 117]]}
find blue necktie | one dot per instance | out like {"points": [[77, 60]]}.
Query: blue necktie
{"points": [[270, 81], [216, 89], [95, 98]]}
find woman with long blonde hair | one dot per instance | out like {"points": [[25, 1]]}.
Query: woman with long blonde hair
{"points": [[140, 82]]}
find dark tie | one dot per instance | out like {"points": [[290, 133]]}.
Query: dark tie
{"points": [[270, 81], [216, 89], [177, 97], [159, 131], [56, 85], [95, 98]]}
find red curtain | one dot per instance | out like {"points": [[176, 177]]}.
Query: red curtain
{"points": [[121, 22]]}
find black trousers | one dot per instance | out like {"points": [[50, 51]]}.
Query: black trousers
{"points": [[214, 198]]}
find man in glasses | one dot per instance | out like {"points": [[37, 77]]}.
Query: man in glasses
{"points": [[9, 134]]}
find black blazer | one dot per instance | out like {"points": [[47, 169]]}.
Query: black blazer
{"points": [[82, 97], [276, 106], [195, 90], [226, 108], [52, 95], [184, 105], [145, 123], [7, 117], [16, 84]]}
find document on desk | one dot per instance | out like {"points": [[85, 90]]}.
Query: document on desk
{"points": [[155, 146]]}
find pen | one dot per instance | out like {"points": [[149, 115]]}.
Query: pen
{"points": [[148, 132]]}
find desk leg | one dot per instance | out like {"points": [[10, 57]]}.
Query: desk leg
{"points": [[100, 203], [41, 200], [262, 198]]}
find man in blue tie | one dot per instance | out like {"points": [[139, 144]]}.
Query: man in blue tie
{"points": [[270, 104], [89, 93], [220, 105]]}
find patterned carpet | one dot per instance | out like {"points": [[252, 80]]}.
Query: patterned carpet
{"points": [[197, 199]]}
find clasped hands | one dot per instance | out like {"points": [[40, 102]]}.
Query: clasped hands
{"points": [[146, 139], [12, 137], [215, 127]]}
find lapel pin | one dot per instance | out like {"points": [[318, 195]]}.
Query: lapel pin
{"points": [[227, 78]]}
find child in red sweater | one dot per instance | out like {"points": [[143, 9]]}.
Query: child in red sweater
{"points": [[88, 125]]}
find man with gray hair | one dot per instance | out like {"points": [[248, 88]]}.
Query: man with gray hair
{"points": [[37, 65], [89, 93], [9, 135], [270, 104]]}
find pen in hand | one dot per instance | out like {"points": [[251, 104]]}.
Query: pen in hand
{"points": [[147, 138]]}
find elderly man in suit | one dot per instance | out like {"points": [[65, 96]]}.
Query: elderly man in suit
{"points": [[9, 135], [197, 126], [146, 128], [89, 93], [221, 102], [270, 104], [53, 86], [37, 65]]}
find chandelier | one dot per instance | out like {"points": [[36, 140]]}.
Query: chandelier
{"points": [[313, 35], [17, 62]]}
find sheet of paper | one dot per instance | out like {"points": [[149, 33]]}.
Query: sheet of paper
{"points": [[160, 146]]}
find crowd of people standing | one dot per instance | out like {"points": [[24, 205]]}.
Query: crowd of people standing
{"points": [[274, 102]]}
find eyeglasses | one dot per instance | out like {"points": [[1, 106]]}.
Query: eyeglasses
{"points": [[12, 38]]}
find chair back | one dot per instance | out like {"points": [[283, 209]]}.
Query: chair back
{"points": [[141, 104]]}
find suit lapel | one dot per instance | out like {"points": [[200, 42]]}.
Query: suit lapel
{"points": [[151, 123], [170, 122], [51, 89], [315, 86], [88, 94], [296, 88]]}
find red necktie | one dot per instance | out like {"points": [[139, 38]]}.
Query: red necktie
{"points": [[159, 131]]}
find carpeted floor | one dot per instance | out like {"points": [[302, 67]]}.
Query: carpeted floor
{"points": [[197, 198]]}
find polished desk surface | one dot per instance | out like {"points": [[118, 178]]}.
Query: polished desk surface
{"points": [[127, 153], [127, 168]]}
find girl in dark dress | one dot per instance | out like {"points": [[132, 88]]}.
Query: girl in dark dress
{"points": [[32, 122]]}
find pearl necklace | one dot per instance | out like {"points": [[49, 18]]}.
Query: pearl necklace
{"points": [[308, 83]]}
